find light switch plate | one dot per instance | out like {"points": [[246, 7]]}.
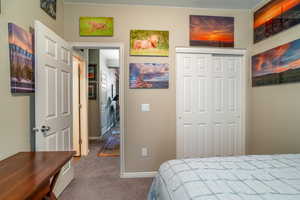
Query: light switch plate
{"points": [[144, 152], [145, 107]]}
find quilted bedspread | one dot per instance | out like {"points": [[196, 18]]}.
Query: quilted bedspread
{"points": [[272, 177]]}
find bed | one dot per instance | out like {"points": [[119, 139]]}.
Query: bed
{"points": [[270, 177]]}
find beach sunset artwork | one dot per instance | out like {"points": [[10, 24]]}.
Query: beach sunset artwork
{"points": [[277, 66], [274, 17], [21, 59], [211, 31], [149, 75]]}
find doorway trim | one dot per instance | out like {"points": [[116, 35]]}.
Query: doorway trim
{"points": [[120, 46], [244, 87], [82, 107]]}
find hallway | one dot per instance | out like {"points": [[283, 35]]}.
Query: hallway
{"points": [[98, 178]]}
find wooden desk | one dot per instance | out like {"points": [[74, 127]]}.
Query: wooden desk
{"points": [[32, 175]]}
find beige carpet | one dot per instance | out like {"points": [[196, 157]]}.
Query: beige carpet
{"points": [[97, 178]]}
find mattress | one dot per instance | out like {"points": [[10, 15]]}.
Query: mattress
{"points": [[269, 177]]}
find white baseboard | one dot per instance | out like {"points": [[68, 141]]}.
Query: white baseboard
{"points": [[138, 174], [94, 138]]}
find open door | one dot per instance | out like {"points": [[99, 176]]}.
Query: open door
{"points": [[80, 104], [53, 97]]}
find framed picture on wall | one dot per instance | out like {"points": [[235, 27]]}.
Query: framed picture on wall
{"points": [[96, 26], [277, 66], [275, 17], [21, 59], [92, 72], [149, 43], [92, 91], [49, 6], [212, 31], [149, 75]]}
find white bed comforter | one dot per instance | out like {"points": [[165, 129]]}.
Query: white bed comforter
{"points": [[275, 177]]}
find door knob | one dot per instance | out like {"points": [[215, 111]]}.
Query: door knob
{"points": [[45, 129]]}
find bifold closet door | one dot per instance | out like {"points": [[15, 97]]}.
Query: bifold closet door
{"points": [[208, 105]]}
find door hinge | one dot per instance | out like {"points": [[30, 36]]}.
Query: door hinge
{"points": [[80, 141], [80, 106]]}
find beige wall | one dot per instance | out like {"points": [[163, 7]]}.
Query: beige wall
{"points": [[94, 113], [273, 123], [275, 109], [156, 129], [17, 111]]}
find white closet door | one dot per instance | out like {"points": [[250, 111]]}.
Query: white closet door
{"points": [[226, 99], [194, 105], [208, 105]]}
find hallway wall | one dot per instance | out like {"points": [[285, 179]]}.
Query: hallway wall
{"points": [[17, 111], [94, 107]]}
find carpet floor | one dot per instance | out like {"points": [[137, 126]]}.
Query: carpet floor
{"points": [[97, 178]]}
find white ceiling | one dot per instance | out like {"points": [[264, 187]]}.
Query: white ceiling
{"points": [[110, 54], [219, 4]]}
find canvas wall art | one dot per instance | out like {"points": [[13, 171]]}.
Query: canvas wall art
{"points": [[211, 31], [49, 6], [96, 26], [93, 91], [274, 17], [149, 43], [277, 66], [92, 72], [149, 75], [21, 59]]}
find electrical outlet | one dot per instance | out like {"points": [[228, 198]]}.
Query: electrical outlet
{"points": [[144, 152]]}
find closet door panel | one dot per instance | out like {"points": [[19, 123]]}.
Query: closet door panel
{"points": [[208, 105]]}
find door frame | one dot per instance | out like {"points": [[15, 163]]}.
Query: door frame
{"points": [[244, 87], [120, 46], [83, 106]]}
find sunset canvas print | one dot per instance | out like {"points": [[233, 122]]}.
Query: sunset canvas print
{"points": [[21, 59], [277, 66], [149, 75], [211, 31], [274, 17]]}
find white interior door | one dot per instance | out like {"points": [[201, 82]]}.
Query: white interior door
{"points": [[53, 97], [208, 105]]}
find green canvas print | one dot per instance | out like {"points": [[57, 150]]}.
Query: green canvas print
{"points": [[149, 43], [96, 26]]}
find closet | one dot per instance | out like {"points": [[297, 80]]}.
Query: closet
{"points": [[210, 100]]}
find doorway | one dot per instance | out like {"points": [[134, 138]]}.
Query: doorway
{"points": [[108, 101], [105, 67]]}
